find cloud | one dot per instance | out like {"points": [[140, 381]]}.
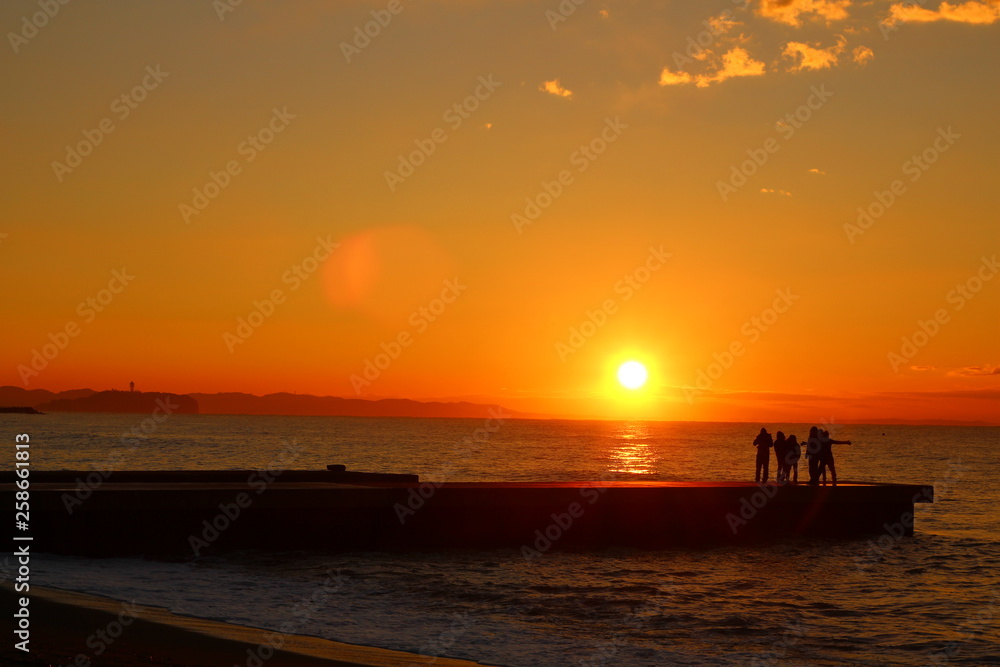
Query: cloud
{"points": [[989, 394], [790, 12], [812, 57], [765, 395], [814, 170], [786, 193], [862, 55], [555, 88], [973, 11], [721, 24], [922, 368], [668, 78], [735, 62], [976, 370]]}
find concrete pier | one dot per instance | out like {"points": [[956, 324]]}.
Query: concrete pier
{"points": [[198, 512]]}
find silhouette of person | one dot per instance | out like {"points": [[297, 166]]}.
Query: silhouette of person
{"points": [[763, 444], [793, 454], [780, 449], [826, 455], [812, 455]]}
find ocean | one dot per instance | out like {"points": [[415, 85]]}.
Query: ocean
{"points": [[932, 599]]}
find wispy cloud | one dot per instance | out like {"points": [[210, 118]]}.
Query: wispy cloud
{"points": [[862, 55], [722, 23], [668, 78], [555, 88], [972, 11], [976, 370], [734, 63], [814, 170], [791, 12], [806, 57], [975, 394], [772, 191]]}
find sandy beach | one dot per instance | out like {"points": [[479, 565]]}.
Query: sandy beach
{"points": [[69, 628]]}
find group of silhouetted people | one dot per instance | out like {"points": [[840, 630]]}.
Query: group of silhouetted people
{"points": [[788, 451]]}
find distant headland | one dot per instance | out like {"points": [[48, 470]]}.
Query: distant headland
{"points": [[21, 410]]}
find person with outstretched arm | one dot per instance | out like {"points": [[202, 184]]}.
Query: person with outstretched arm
{"points": [[826, 455]]}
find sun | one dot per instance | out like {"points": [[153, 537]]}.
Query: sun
{"points": [[632, 374]]}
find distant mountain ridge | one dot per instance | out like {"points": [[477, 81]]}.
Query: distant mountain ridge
{"points": [[34, 397], [237, 403]]}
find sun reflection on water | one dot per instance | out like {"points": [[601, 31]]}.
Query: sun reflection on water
{"points": [[631, 451]]}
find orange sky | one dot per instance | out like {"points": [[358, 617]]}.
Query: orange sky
{"points": [[479, 180]]}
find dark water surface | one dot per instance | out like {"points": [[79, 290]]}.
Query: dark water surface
{"points": [[930, 599]]}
